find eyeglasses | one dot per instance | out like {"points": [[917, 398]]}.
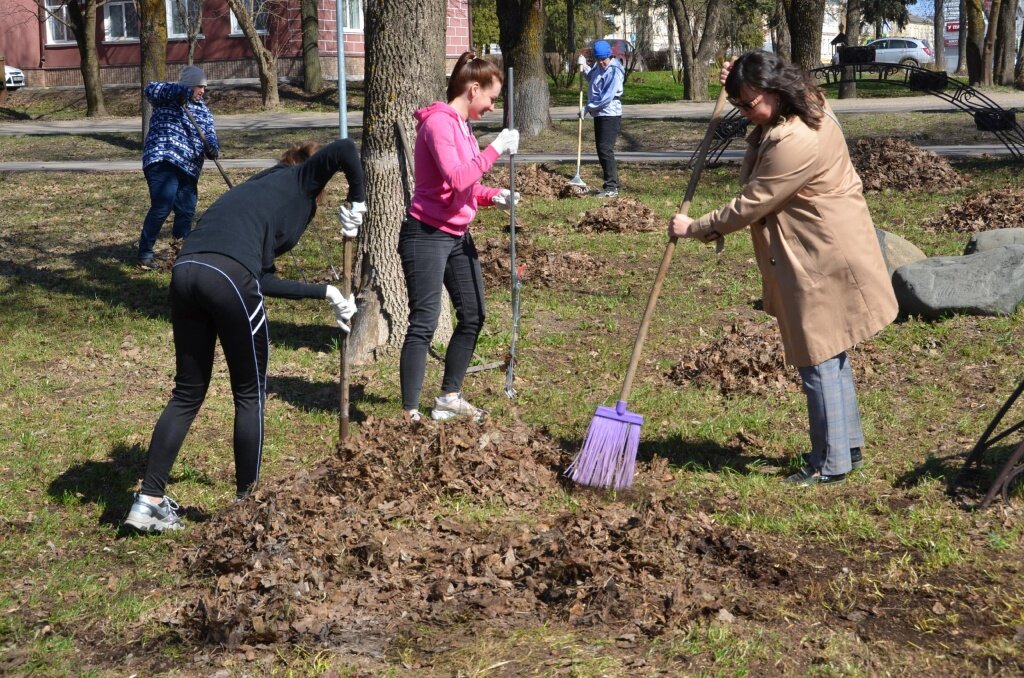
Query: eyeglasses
{"points": [[747, 105]]}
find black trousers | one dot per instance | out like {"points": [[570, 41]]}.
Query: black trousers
{"points": [[213, 297], [430, 259], [606, 132]]}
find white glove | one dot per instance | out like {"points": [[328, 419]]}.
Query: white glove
{"points": [[502, 201], [506, 141], [582, 61], [351, 218], [344, 307]]}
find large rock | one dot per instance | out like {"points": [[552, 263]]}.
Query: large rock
{"points": [[897, 251], [986, 283], [990, 240]]}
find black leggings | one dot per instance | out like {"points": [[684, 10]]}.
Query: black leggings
{"points": [[213, 296], [606, 131], [430, 259]]}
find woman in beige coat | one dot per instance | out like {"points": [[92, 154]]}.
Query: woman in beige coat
{"points": [[822, 270]]}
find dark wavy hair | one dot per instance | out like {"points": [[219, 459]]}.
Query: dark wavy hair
{"points": [[469, 69], [797, 90]]}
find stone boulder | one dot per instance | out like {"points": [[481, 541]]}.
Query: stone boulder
{"points": [[897, 251], [989, 240], [986, 283]]}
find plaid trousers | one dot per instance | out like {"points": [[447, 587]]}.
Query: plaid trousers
{"points": [[832, 411]]}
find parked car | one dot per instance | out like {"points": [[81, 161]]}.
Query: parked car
{"points": [[13, 77], [905, 51]]}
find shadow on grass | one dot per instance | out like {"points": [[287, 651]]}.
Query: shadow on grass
{"points": [[704, 455], [111, 483], [967, 486], [321, 396]]}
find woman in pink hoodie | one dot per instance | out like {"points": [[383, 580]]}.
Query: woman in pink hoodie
{"points": [[435, 245]]}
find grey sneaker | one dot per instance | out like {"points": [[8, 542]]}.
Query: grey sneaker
{"points": [[608, 193], [146, 517], [449, 407], [147, 263]]}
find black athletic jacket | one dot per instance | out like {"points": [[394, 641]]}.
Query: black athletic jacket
{"points": [[261, 219]]}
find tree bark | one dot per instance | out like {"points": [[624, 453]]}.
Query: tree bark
{"points": [[939, 34], [153, 45], [695, 52], [82, 14], [521, 25], [312, 78], [975, 40], [988, 49], [961, 51], [1006, 43], [266, 63], [805, 18], [854, 13], [1018, 70], [782, 43], [396, 85]]}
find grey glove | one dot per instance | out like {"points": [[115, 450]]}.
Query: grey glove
{"points": [[351, 218], [344, 307]]}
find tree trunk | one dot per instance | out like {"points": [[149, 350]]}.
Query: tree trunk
{"points": [[266, 64], [696, 53], [975, 40], [521, 25], [82, 14], [1006, 39], [312, 78], [1018, 70], [570, 33], [848, 86], [153, 45], [988, 49], [782, 43], [961, 52], [939, 34], [396, 85], [804, 18]]}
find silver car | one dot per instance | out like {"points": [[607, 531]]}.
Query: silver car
{"points": [[905, 51], [13, 77]]}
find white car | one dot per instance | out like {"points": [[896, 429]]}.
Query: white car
{"points": [[13, 77]]}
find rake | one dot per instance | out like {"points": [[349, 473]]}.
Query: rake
{"points": [[608, 456], [579, 186]]}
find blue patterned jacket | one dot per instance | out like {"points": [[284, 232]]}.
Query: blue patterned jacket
{"points": [[171, 134]]}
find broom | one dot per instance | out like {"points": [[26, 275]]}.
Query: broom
{"points": [[608, 456], [579, 186]]}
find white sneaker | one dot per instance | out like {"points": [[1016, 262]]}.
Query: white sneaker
{"points": [[413, 416], [451, 406], [147, 517]]}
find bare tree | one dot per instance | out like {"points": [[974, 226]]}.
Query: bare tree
{"points": [[781, 42], [698, 24], [246, 13], [988, 48], [1018, 70], [961, 52], [804, 18], [190, 15], [848, 85], [522, 24], [939, 34], [1006, 44], [153, 44], [79, 16], [396, 85], [975, 18], [312, 78]]}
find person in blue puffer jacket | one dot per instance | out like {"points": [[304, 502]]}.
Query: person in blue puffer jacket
{"points": [[172, 157], [604, 103]]}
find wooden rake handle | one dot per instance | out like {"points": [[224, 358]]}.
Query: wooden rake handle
{"points": [[666, 259]]}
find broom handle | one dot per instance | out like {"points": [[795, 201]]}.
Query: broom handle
{"points": [[343, 374], [579, 141], [666, 259], [206, 145]]}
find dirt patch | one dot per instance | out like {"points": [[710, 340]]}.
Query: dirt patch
{"points": [[620, 215], [418, 524], [998, 208], [549, 268], [531, 180], [895, 164]]}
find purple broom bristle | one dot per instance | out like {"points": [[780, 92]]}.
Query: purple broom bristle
{"points": [[608, 456]]}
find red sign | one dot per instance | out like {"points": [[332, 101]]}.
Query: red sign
{"points": [[952, 26]]}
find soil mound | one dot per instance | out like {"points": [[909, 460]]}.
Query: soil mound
{"points": [[748, 359], [998, 208], [549, 268], [620, 215], [533, 180], [425, 523], [896, 164]]}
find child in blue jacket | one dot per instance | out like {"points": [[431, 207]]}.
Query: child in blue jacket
{"points": [[604, 103]]}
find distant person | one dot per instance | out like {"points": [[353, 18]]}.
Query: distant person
{"points": [[604, 103], [172, 157], [225, 269], [822, 270], [435, 245]]}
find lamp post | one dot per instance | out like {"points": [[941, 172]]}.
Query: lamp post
{"points": [[342, 94]]}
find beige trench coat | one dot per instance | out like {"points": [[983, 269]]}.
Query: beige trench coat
{"points": [[822, 270]]}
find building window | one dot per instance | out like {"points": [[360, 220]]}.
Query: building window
{"points": [[58, 23], [184, 13], [261, 16], [121, 21], [352, 15]]}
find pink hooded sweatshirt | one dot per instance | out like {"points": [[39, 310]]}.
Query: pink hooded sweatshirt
{"points": [[449, 165]]}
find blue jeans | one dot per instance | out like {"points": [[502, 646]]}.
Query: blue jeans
{"points": [[832, 410], [170, 188], [430, 259]]}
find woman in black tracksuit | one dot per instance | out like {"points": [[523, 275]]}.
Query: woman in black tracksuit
{"points": [[224, 270]]}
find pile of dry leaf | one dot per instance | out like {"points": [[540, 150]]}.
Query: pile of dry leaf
{"points": [[620, 215], [896, 164], [998, 208], [548, 268]]}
